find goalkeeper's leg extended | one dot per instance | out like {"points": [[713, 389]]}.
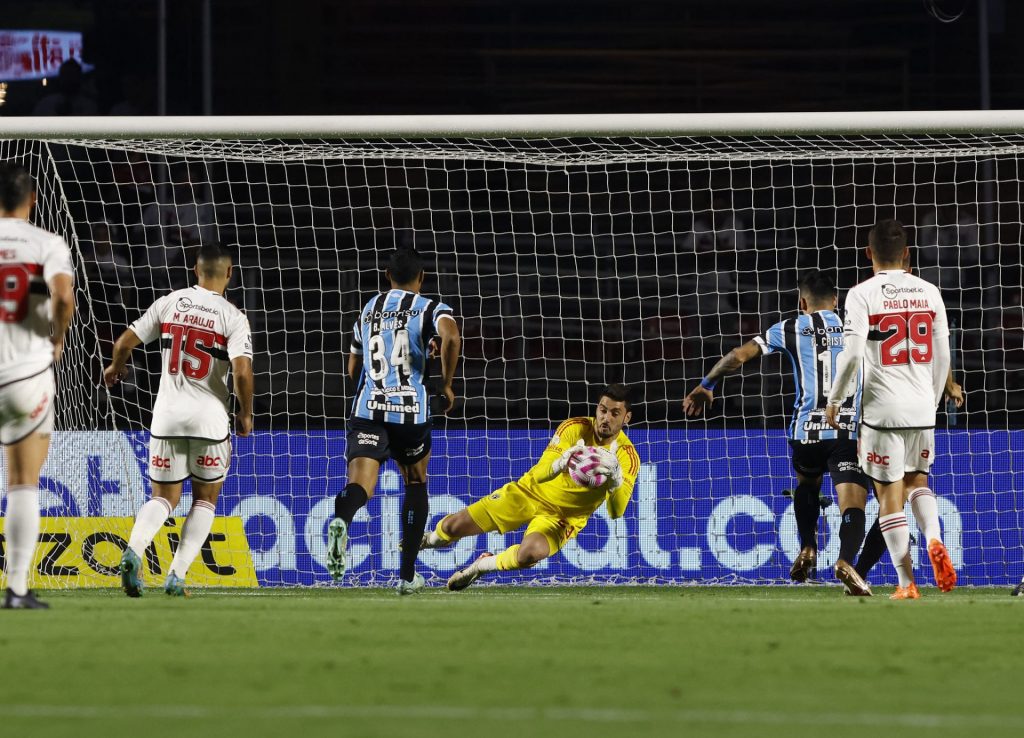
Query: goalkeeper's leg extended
{"points": [[544, 537]]}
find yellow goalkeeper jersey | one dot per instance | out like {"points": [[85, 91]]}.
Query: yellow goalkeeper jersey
{"points": [[562, 493]]}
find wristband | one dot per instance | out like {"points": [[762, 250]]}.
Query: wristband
{"points": [[707, 384]]}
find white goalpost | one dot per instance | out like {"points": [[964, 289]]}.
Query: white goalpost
{"points": [[576, 251]]}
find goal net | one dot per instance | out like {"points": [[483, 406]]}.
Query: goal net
{"points": [[575, 253]]}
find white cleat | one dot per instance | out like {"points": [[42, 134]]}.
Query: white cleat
{"points": [[408, 588], [337, 546], [465, 577]]}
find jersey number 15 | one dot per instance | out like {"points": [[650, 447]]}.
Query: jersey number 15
{"points": [[192, 344]]}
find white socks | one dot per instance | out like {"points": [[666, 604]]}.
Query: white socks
{"points": [[926, 512], [21, 529], [897, 540], [487, 563], [151, 516], [193, 535]]}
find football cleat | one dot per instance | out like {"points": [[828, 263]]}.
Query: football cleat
{"points": [[337, 546], [465, 577], [909, 592], [175, 586], [853, 583], [413, 587], [805, 565], [425, 542], [945, 574], [26, 601], [131, 573], [1018, 591]]}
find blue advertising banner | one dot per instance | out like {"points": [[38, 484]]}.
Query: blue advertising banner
{"points": [[707, 506]]}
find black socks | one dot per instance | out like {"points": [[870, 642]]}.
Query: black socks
{"points": [[806, 508], [874, 547], [851, 533], [348, 501], [415, 509]]}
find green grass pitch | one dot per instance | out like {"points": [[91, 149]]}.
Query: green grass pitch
{"points": [[497, 661]]}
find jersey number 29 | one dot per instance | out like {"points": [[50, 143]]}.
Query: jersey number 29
{"points": [[896, 349]]}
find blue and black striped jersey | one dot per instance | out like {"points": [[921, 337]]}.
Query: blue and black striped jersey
{"points": [[813, 343], [392, 335]]}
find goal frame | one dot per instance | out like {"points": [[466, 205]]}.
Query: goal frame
{"points": [[518, 126]]}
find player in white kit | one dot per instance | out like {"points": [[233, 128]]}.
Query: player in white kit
{"points": [[201, 334], [37, 301], [896, 327]]}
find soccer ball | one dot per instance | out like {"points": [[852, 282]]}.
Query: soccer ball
{"points": [[583, 466]]}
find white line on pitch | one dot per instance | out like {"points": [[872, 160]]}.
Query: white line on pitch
{"points": [[510, 714]]}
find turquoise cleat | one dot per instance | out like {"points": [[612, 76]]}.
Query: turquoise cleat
{"points": [[408, 588], [174, 586], [337, 545], [131, 573]]}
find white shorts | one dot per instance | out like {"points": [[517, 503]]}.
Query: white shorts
{"points": [[173, 460], [886, 455], [26, 407]]}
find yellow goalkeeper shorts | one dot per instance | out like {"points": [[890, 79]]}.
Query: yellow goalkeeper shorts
{"points": [[509, 508]]}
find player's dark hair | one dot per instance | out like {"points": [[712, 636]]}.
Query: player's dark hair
{"points": [[207, 256], [16, 186], [817, 286], [404, 266], [618, 392], [887, 240]]}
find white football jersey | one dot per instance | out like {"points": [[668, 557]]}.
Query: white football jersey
{"points": [[200, 333], [901, 317], [29, 259]]}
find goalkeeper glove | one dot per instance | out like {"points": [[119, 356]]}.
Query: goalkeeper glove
{"points": [[610, 465], [559, 464]]}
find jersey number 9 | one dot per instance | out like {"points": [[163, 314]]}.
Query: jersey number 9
{"points": [[13, 293]]}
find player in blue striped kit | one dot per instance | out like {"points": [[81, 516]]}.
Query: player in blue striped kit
{"points": [[813, 341], [391, 412]]}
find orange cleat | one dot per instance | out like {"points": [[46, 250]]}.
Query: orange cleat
{"points": [[945, 574], [909, 592], [805, 565]]}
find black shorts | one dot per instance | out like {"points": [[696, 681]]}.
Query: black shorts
{"points": [[406, 444], [837, 457]]}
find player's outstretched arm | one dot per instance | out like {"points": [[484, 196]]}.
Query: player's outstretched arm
{"points": [[62, 306], [702, 394], [117, 369], [241, 372], [451, 347]]}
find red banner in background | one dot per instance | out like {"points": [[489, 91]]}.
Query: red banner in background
{"points": [[26, 55]]}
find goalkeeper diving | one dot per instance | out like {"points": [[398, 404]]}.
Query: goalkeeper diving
{"points": [[590, 461]]}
